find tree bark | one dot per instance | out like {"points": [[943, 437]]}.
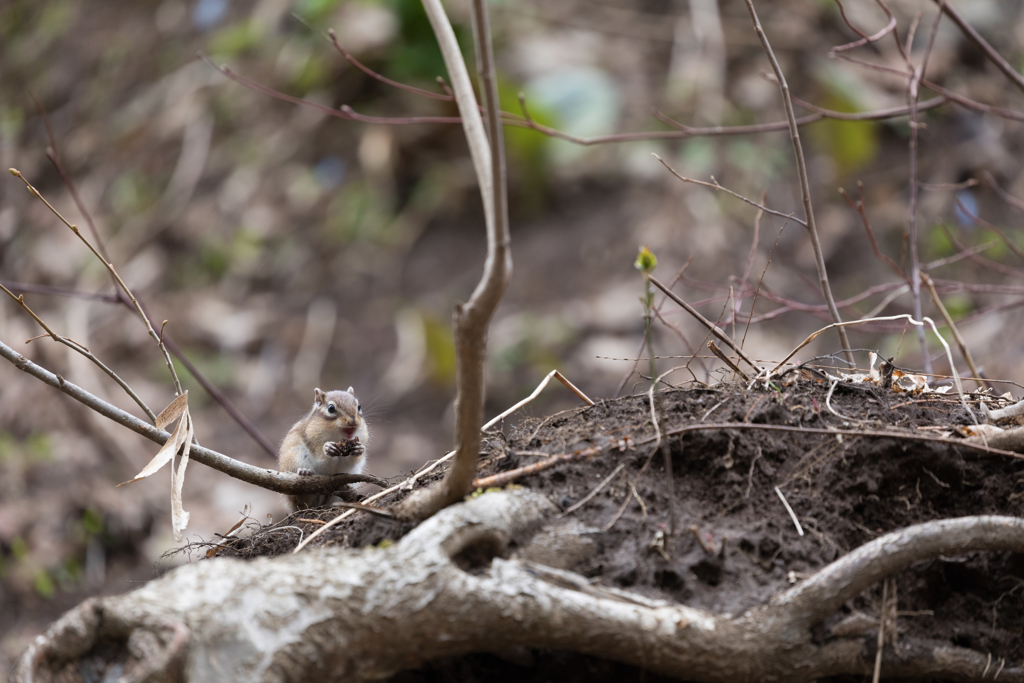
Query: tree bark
{"points": [[451, 586]]}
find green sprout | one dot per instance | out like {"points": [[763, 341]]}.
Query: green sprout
{"points": [[646, 262]]}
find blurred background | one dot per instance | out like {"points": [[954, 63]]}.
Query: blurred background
{"points": [[289, 249]]}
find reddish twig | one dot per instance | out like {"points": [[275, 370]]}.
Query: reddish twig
{"points": [[981, 222], [983, 44], [981, 260], [864, 38], [1003, 194], [859, 207], [805, 186]]}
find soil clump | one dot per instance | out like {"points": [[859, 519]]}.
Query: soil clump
{"points": [[734, 544]]}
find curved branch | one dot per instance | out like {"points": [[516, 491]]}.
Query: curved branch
{"points": [[281, 482], [847, 577], [472, 319]]}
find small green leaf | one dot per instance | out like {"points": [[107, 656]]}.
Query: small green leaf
{"points": [[646, 261]]}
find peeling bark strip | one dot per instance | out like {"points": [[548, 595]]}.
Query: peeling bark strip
{"points": [[450, 588]]}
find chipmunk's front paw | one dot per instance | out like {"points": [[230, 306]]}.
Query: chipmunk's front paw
{"points": [[304, 472], [343, 449]]}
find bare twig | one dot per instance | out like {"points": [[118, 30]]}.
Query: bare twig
{"points": [[110, 268], [715, 186], [978, 220], [725, 359], [779, 126], [1003, 194], [75, 346], [281, 482], [859, 207], [760, 282], [54, 156], [805, 186], [219, 397], [119, 297], [472, 318], [666, 453], [543, 383], [915, 264], [983, 44], [964, 351], [715, 330], [503, 478], [864, 38]]}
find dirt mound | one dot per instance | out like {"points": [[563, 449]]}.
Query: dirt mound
{"points": [[733, 451]]}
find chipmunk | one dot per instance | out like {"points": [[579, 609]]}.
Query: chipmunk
{"points": [[331, 439]]}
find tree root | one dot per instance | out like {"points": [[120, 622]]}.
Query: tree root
{"points": [[453, 586]]}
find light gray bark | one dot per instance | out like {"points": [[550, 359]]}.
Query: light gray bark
{"points": [[450, 587]]}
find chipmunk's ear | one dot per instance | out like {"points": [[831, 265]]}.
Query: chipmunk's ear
{"points": [[352, 391], [318, 397]]}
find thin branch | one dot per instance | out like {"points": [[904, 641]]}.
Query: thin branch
{"points": [[380, 77], [959, 256], [526, 121], [805, 186], [983, 44], [715, 186], [989, 264], [1003, 194], [472, 319], [819, 114], [982, 223], [974, 105], [281, 482], [75, 346], [864, 38], [220, 398], [715, 330], [964, 351], [859, 207], [915, 263], [60, 291], [760, 283], [110, 268], [54, 156], [120, 297]]}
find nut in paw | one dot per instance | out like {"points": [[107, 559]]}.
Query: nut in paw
{"points": [[342, 449]]}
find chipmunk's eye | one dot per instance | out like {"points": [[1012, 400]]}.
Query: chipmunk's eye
{"points": [[359, 406], [331, 410]]}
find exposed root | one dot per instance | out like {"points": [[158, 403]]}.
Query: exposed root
{"points": [[454, 585]]}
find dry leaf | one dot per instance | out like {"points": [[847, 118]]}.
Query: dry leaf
{"points": [[166, 453], [172, 412], [179, 518], [180, 438]]}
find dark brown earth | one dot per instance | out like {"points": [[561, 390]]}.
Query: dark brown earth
{"points": [[734, 544]]}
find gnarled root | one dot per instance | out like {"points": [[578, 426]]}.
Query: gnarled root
{"points": [[451, 586]]}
